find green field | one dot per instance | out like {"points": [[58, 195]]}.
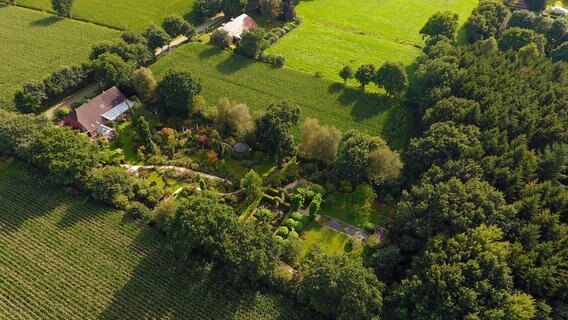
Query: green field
{"points": [[123, 14], [34, 44], [62, 257], [337, 32], [258, 84]]}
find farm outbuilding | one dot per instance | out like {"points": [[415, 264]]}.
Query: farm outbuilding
{"points": [[238, 25], [92, 116]]}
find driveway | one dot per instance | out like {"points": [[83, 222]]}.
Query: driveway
{"points": [[72, 99]]}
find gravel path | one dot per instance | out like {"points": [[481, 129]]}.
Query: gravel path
{"points": [[342, 227]]}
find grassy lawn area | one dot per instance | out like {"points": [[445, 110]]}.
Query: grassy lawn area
{"points": [[339, 206], [330, 241], [123, 14], [35, 44], [62, 257], [126, 143], [258, 84], [337, 33]]}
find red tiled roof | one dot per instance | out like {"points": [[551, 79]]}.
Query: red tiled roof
{"points": [[89, 115], [239, 24]]}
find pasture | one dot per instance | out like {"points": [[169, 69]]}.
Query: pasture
{"points": [[34, 44], [123, 14], [336, 33], [258, 85], [62, 257]]}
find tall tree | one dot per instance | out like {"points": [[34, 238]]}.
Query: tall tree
{"points": [[112, 185], [442, 23], [346, 73], [111, 70], [252, 43], [175, 25], [319, 142], [365, 74], [156, 37], [273, 129], [392, 77], [233, 8], [145, 85], [62, 7], [175, 94], [353, 156]]}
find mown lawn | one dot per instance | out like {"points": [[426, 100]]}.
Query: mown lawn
{"points": [[62, 257], [34, 44], [123, 14], [339, 206], [329, 241], [337, 32], [258, 85]]}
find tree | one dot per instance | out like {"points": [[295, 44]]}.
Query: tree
{"points": [[365, 74], [554, 162], [339, 287], [145, 135], [133, 37], [442, 23], [111, 70], [523, 19], [454, 109], [233, 8], [252, 183], [64, 154], [233, 118], [221, 38], [560, 53], [175, 25], [447, 207], [392, 77], [346, 73], [516, 38], [273, 129], [145, 85], [111, 185], [167, 140], [352, 161], [62, 7], [463, 277], [252, 43], [271, 9], [537, 5], [156, 36], [176, 92], [206, 8], [30, 99], [557, 33], [486, 20], [384, 165], [289, 10], [319, 142]]}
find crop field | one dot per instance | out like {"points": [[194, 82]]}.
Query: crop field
{"points": [[34, 44], [123, 14], [258, 85], [62, 257], [336, 33]]}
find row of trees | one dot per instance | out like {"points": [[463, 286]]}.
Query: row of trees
{"points": [[271, 9], [391, 76]]}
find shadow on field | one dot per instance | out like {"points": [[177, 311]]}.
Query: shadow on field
{"points": [[160, 287], [210, 52], [233, 64], [363, 105], [45, 22], [74, 214]]}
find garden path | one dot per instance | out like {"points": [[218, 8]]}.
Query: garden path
{"points": [[342, 227]]}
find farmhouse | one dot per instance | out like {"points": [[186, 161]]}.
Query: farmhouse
{"points": [[92, 116], [237, 25]]}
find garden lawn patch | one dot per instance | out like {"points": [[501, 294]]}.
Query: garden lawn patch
{"points": [[224, 74], [62, 257], [339, 206], [336, 33], [35, 44], [330, 241], [123, 14]]}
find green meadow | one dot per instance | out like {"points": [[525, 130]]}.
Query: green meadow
{"points": [[123, 14], [336, 33], [224, 74], [34, 44]]}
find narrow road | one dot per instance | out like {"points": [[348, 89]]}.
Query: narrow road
{"points": [[204, 27], [70, 100]]}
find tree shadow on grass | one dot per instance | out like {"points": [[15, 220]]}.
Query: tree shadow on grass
{"points": [[80, 210], [46, 22], [233, 64], [210, 52], [363, 105], [161, 287]]}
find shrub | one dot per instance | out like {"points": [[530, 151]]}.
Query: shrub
{"points": [[282, 231], [279, 239], [296, 216], [62, 112], [293, 234], [299, 227], [297, 201], [290, 223], [137, 210], [221, 39], [345, 187], [369, 227], [278, 61]]}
